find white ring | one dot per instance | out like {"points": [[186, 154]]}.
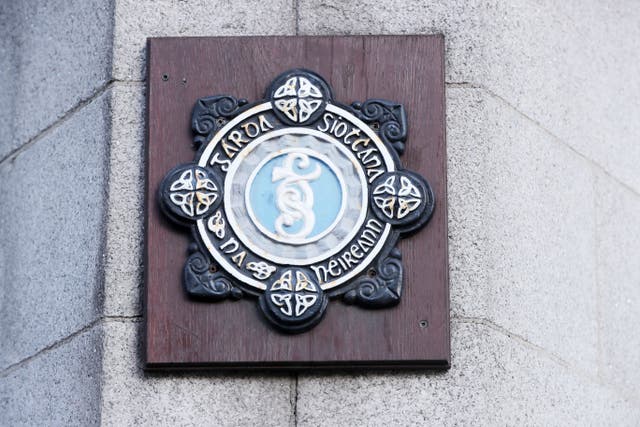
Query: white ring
{"points": [[204, 162], [282, 253]]}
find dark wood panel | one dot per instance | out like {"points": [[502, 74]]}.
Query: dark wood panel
{"points": [[181, 332]]}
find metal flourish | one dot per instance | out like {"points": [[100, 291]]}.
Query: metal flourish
{"points": [[390, 117], [210, 114], [201, 281], [383, 287]]}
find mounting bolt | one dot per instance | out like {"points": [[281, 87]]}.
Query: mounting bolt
{"points": [[165, 77], [423, 324]]}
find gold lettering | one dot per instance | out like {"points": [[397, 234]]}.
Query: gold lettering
{"points": [[251, 129], [321, 273], [375, 225], [224, 164], [238, 259], [368, 156], [228, 149], [359, 141], [354, 132], [237, 138], [325, 119], [355, 250], [340, 130], [264, 123], [334, 269], [348, 259], [373, 174], [233, 243]]}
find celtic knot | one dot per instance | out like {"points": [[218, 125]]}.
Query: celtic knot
{"points": [[216, 225], [293, 298], [295, 98], [193, 192], [261, 270], [397, 199]]}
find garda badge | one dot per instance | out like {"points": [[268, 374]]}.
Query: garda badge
{"points": [[297, 199]]}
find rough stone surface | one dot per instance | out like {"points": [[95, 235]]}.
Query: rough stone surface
{"points": [[564, 64], [522, 245], [132, 397], [495, 380], [123, 268], [8, 69], [54, 54], [51, 223], [60, 387], [135, 20], [619, 283]]}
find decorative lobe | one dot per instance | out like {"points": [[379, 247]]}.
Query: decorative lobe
{"points": [[383, 287], [201, 282], [390, 117], [287, 89], [210, 114], [298, 99], [193, 191], [294, 301], [403, 199], [298, 109], [189, 192], [408, 197]]}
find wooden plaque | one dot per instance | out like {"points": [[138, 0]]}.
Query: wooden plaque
{"points": [[184, 332]]}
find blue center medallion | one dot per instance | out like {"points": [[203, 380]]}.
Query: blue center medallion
{"points": [[296, 196]]}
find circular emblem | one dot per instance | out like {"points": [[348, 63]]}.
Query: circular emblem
{"points": [[297, 198], [403, 199], [294, 300], [299, 97], [189, 192]]}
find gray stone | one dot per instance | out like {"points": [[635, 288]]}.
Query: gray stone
{"points": [[135, 20], [8, 69], [54, 55], [522, 227], [619, 283], [494, 380], [60, 387], [132, 397], [123, 265], [565, 65], [51, 223]]}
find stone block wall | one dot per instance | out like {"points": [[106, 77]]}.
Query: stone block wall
{"points": [[543, 108]]}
